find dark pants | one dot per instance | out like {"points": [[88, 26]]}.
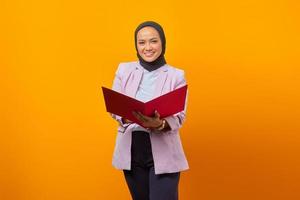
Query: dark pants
{"points": [[142, 182]]}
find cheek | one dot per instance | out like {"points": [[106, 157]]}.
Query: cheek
{"points": [[140, 49], [157, 46]]}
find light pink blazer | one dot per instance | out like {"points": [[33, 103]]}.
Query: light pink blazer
{"points": [[167, 150]]}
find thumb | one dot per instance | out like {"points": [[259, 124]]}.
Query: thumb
{"points": [[157, 115]]}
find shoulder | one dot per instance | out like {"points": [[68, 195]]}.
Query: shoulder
{"points": [[176, 75], [175, 71], [127, 67]]}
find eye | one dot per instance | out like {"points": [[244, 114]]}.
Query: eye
{"points": [[141, 42], [154, 41]]}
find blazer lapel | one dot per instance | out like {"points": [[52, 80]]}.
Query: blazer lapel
{"points": [[135, 77], [161, 79]]}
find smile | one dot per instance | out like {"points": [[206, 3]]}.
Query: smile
{"points": [[149, 54]]}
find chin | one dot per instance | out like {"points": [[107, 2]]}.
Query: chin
{"points": [[149, 59]]}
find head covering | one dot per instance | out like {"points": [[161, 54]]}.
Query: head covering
{"points": [[160, 61]]}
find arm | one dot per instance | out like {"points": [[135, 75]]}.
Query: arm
{"points": [[175, 121], [117, 86]]}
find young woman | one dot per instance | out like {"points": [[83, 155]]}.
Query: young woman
{"points": [[152, 157]]}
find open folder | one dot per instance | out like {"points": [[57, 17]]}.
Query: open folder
{"points": [[166, 105]]}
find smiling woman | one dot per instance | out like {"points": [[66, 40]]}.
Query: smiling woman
{"points": [[151, 156], [149, 44]]}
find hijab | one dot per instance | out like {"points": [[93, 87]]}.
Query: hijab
{"points": [[160, 61]]}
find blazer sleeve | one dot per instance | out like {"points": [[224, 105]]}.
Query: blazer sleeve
{"points": [[117, 86], [176, 121]]}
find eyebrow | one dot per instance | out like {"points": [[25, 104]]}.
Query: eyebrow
{"points": [[154, 38]]}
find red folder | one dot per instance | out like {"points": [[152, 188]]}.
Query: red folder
{"points": [[166, 105]]}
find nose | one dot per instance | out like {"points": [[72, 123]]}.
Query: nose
{"points": [[148, 46]]}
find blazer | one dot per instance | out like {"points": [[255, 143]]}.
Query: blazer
{"points": [[167, 150]]}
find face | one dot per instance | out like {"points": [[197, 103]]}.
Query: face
{"points": [[149, 44]]}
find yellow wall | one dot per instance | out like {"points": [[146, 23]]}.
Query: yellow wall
{"points": [[242, 134]]}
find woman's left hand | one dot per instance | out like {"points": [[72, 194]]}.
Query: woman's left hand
{"points": [[148, 122]]}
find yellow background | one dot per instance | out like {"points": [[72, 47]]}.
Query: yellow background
{"points": [[241, 58]]}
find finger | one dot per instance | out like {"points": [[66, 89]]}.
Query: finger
{"points": [[146, 117], [157, 115], [138, 116], [143, 117], [134, 113]]}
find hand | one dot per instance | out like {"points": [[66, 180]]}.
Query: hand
{"points": [[126, 121], [148, 122]]}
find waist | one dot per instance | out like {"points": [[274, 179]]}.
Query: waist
{"points": [[137, 127]]}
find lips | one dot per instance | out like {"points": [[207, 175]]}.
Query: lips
{"points": [[149, 54]]}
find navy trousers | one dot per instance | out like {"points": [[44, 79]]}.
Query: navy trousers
{"points": [[142, 182]]}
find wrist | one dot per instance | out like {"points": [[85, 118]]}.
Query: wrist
{"points": [[162, 125]]}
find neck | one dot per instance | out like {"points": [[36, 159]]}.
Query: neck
{"points": [[151, 66]]}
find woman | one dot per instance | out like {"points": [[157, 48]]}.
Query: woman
{"points": [[151, 157]]}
